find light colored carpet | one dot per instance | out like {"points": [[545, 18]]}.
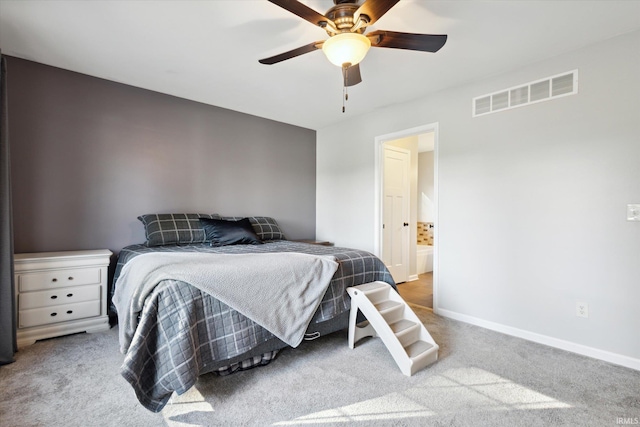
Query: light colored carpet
{"points": [[482, 378]]}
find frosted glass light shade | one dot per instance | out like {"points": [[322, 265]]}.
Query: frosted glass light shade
{"points": [[346, 48]]}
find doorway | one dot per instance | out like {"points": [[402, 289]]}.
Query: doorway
{"points": [[417, 281]]}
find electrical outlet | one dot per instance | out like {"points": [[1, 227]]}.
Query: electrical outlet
{"points": [[582, 309], [633, 212]]}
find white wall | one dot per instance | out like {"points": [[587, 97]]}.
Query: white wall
{"points": [[532, 201]]}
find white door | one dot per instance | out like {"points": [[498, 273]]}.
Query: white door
{"points": [[395, 212]]}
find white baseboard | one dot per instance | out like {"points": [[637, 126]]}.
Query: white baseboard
{"points": [[412, 278], [607, 356]]}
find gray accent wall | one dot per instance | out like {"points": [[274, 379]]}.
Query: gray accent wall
{"points": [[90, 155]]}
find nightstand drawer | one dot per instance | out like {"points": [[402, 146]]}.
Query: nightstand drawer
{"points": [[60, 313], [58, 279], [54, 297]]}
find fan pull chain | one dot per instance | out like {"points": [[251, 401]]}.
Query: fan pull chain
{"points": [[345, 79], [345, 98]]}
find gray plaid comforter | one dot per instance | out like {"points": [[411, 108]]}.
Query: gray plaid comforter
{"points": [[184, 332]]}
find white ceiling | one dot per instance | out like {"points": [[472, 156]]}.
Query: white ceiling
{"points": [[208, 51]]}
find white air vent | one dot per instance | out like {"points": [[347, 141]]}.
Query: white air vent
{"points": [[529, 93]]}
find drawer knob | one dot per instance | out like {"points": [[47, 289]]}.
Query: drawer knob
{"points": [[69, 295], [54, 280], [69, 311], [70, 278], [54, 314], [54, 296]]}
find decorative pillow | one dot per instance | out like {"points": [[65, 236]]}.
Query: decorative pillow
{"points": [[265, 227], [223, 233], [172, 229]]}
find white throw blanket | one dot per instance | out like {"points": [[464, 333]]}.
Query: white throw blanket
{"points": [[279, 291]]}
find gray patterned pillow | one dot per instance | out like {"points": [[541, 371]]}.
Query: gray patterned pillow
{"points": [[174, 229], [265, 227]]}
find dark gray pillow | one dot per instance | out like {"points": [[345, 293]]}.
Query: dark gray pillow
{"points": [[265, 227], [174, 229], [221, 232]]}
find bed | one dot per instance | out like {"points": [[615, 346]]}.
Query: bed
{"points": [[183, 332]]}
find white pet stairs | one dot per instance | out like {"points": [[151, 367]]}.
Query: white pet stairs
{"points": [[390, 318]]}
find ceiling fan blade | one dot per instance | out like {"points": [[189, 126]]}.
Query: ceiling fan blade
{"points": [[374, 9], [352, 76], [303, 11], [292, 53], [395, 40]]}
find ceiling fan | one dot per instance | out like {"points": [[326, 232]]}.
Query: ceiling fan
{"points": [[346, 23]]}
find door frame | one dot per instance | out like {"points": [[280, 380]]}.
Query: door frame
{"points": [[378, 193]]}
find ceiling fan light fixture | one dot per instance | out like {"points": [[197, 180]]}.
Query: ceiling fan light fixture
{"points": [[346, 48]]}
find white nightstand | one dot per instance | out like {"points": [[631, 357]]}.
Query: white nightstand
{"points": [[59, 293]]}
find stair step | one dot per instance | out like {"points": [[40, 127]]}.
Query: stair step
{"points": [[387, 305], [375, 291], [373, 286], [401, 326], [417, 348]]}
